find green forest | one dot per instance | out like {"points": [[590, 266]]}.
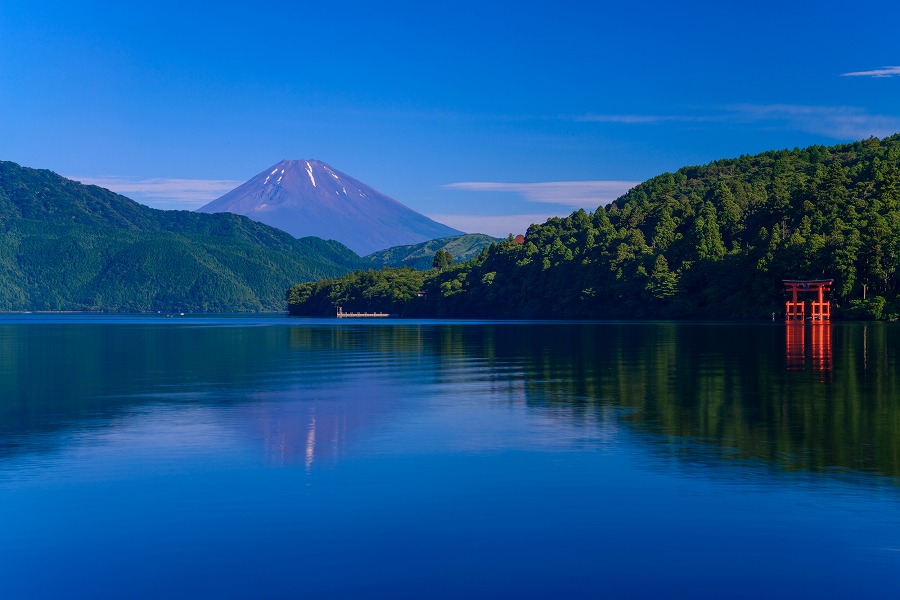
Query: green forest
{"points": [[712, 241], [421, 256], [68, 246]]}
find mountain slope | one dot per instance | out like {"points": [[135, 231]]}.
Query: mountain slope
{"points": [[67, 246], [310, 198], [711, 241], [421, 256]]}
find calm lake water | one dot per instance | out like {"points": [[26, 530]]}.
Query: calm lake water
{"points": [[267, 457]]}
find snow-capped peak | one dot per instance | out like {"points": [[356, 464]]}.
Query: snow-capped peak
{"points": [[334, 206]]}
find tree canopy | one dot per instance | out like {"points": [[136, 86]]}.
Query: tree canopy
{"points": [[706, 241], [421, 256], [442, 260]]}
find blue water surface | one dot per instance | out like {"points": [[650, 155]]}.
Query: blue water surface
{"points": [[189, 456]]}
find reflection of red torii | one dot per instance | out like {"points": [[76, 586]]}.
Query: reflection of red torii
{"points": [[821, 308]]}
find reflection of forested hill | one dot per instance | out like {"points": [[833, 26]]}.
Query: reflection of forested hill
{"points": [[54, 375], [704, 393], [724, 392], [710, 241], [286, 382]]}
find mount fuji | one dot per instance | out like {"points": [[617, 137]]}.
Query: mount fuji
{"points": [[310, 198]]}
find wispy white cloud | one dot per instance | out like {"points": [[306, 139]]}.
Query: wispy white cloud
{"points": [[576, 194], [641, 119], [882, 72], [836, 122], [495, 225], [169, 193]]}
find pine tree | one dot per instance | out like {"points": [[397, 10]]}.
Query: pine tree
{"points": [[442, 259], [707, 234], [663, 283]]}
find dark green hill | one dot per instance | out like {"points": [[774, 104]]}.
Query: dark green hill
{"points": [[711, 241], [421, 256], [68, 246]]}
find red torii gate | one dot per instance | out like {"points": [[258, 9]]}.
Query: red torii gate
{"points": [[795, 310]]}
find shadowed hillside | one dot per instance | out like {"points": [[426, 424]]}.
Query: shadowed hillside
{"points": [[68, 246]]}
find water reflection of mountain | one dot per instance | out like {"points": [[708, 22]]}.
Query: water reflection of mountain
{"points": [[710, 392], [338, 389], [57, 377], [311, 431]]}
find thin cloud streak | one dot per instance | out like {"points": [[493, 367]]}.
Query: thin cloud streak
{"points": [[878, 73], [494, 225], [576, 194], [641, 119], [836, 122], [185, 194]]}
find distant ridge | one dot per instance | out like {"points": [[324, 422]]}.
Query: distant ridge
{"points": [[310, 198], [421, 256]]}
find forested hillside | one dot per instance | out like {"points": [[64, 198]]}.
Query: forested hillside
{"points": [[67, 246], [421, 256], [708, 241]]}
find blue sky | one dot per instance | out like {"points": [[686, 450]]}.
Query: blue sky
{"points": [[483, 115]]}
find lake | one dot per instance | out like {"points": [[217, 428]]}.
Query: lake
{"points": [[269, 457]]}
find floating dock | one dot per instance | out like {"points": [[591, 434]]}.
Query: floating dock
{"points": [[360, 315]]}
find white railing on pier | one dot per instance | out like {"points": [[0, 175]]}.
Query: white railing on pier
{"points": [[359, 315]]}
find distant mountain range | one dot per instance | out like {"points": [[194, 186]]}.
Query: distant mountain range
{"points": [[310, 198], [68, 246]]}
